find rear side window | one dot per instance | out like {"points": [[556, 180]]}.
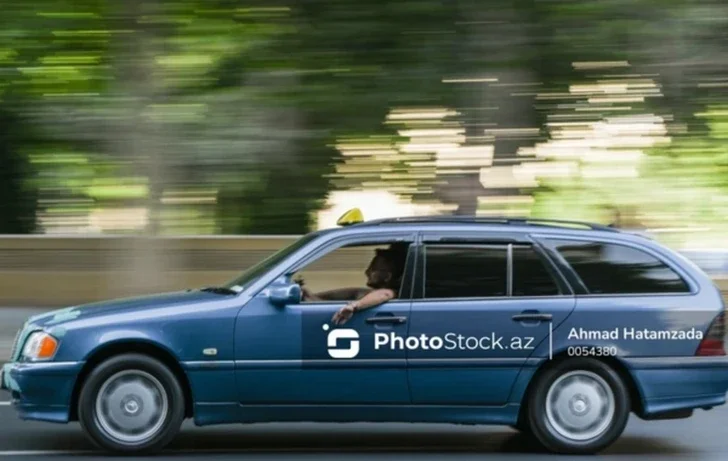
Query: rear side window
{"points": [[607, 268], [530, 275], [472, 271], [481, 271]]}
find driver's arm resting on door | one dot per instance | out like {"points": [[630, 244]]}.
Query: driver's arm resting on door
{"points": [[371, 299]]}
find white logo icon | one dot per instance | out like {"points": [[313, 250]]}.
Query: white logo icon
{"points": [[333, 338]]}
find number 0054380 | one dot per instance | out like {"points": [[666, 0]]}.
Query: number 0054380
{"points": [[591, 351]]}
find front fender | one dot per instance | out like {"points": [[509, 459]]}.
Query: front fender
{"points": [[185, 332]]}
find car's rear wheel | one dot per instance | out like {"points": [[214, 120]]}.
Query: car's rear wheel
{"points": [[132, 404], [578, 406]]}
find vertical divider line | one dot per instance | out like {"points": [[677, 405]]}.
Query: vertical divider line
{"points": [[509, 274]]}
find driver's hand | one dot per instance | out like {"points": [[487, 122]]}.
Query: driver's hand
{"points": [[343, 315]]}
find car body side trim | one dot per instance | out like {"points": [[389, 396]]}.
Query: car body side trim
{"points": [[368, 363], [209, 364], [681, 362]]}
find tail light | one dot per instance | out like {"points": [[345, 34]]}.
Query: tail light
{"points": [[713, 341]]}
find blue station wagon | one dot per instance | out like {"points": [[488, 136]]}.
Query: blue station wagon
{"points": [[557, 329]]}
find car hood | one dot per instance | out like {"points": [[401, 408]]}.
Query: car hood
{"points": [[140, 303]]}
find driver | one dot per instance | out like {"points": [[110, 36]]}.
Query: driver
{"points": [[384, 277]]}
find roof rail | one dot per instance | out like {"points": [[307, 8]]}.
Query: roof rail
{"points": [[517, 221]]}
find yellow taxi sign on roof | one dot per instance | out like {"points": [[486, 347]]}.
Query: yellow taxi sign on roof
{"points": [[353, 216]]}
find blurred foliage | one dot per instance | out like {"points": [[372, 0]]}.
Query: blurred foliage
{"points": [[229, 116], [18, 186]]}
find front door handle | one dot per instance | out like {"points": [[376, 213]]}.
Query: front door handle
{"points": [[532, 317], [381, 319]]}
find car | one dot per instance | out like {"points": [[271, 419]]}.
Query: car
{"points": [[559, 329]]}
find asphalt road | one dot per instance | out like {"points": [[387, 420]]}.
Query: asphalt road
{"points": [[699, 438], [11, 319], [702, 437]]}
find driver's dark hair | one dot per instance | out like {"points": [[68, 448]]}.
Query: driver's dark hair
{"points": [[395, 256]]}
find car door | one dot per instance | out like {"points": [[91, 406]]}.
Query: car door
{"points": [[295, 355], [485, 303]]}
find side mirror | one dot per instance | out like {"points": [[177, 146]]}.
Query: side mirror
{"points": [[286, 294]]}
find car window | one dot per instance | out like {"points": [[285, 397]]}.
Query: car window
{"points": [[531, 277], [347, 273], [465, 271], [607, 268]]}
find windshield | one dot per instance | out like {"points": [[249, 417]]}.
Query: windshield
{"points": [[250, 275]]}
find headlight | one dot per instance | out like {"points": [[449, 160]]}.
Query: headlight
{"points": [[40, 346]]}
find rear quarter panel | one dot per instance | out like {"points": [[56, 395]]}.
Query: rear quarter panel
{"points": [[638, 326], [655, 336], [643, 325]]}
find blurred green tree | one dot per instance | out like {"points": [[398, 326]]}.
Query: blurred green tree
{"points": [[18, 185], [157, 103], [333, 68]]}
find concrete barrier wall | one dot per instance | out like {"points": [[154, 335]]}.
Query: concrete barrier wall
{"points": [[61, 271], [51, 271]]}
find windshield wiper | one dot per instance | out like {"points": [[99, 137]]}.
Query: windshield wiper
{"points": [[220, 290]]}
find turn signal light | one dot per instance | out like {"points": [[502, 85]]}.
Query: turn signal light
{"points": [[40, 346]]}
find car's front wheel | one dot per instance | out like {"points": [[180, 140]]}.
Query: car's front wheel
{"points": [[578, 406], [132, 404]]}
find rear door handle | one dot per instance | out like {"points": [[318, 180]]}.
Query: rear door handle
{"points": [[532, 317], [381, 319]]}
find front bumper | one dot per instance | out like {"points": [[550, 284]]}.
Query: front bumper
{"points": [[41, 391]]}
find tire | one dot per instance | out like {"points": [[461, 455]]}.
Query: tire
{"points": [[589, 407], [521, 426], [131, 404]]}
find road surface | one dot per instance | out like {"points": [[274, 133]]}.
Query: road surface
{"points": [[700, 438], [11, 319]]}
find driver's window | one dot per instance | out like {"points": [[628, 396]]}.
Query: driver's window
{"points": [[348, 273]]}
